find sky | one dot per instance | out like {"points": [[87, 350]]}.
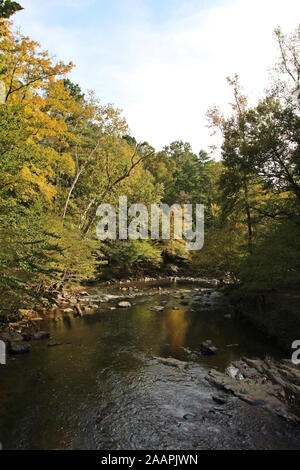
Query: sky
{"points": [[163, 62]]}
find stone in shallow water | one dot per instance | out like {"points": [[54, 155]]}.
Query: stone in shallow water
{"points": [[68, 310], [19, 347], [265, 384], [170, 361], [234, 373], [11, 337], [157, 309], [124, 304], [219, 400], [208, 348]]}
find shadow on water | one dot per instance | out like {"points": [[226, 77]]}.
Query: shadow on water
{"points": [[100, 388]]}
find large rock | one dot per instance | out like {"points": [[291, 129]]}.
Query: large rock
{"points": [[84, 294], [208, 348], [157, 309], [124, 304], [234, 373], [219, 400], [19, 347], [11, 337], [170, 361], [68, 310], [263, 383]]}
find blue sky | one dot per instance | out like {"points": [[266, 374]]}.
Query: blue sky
{"points": [[164, 62]]}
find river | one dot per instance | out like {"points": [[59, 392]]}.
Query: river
{"points": [[98, 385]]}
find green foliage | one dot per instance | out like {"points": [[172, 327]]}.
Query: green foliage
{"points": [[63, 152], [77, 259], [128, 256], [26, 254], [8, 8], [222, 253], [255, 232], [275, 262]]}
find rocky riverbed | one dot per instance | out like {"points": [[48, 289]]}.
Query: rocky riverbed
{"points": [[145, 366]]}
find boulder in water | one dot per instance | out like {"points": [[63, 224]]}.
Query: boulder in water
{"points": [[170, 361], [157, 309], [266, 384], [208, 348], [19, 347], [12, 337], [219, 400], [124, 304]]}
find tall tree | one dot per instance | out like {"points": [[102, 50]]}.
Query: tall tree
{"points": [[8, 8]]}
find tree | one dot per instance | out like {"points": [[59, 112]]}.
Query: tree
{"points": [[8, 8], [124, 169], [24, 68], [287, 71], [274, 133], [235, 149]]}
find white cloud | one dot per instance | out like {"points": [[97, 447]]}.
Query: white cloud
{"points": [[165, 77]]}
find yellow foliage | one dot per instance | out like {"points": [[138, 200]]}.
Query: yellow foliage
{"points": [[35, 182]]}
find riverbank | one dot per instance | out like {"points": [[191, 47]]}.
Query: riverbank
{"points": [[135, 377], [273, 313]]}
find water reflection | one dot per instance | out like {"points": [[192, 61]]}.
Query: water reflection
{"points": [[102, 372], [177, 325]]}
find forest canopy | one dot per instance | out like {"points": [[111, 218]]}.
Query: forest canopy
{"points": [[63, 152]]}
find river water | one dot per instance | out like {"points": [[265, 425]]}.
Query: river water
{"points": [[101, 388]]}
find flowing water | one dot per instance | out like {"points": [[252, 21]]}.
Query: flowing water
{"points": [[98, 385]]}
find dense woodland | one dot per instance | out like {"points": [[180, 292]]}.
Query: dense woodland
{"points": [[63, 152]]}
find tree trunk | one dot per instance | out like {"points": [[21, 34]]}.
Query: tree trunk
{"points": [[70, 194], [248, 213]]}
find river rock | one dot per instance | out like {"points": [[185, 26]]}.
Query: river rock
{"points": [[208, 348], [157, 309], [170, 361], [41, 335], [219, 400], [124, 304], [11, 337], [266, 384], [234, 373], [78, 310], [19, 347]]}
